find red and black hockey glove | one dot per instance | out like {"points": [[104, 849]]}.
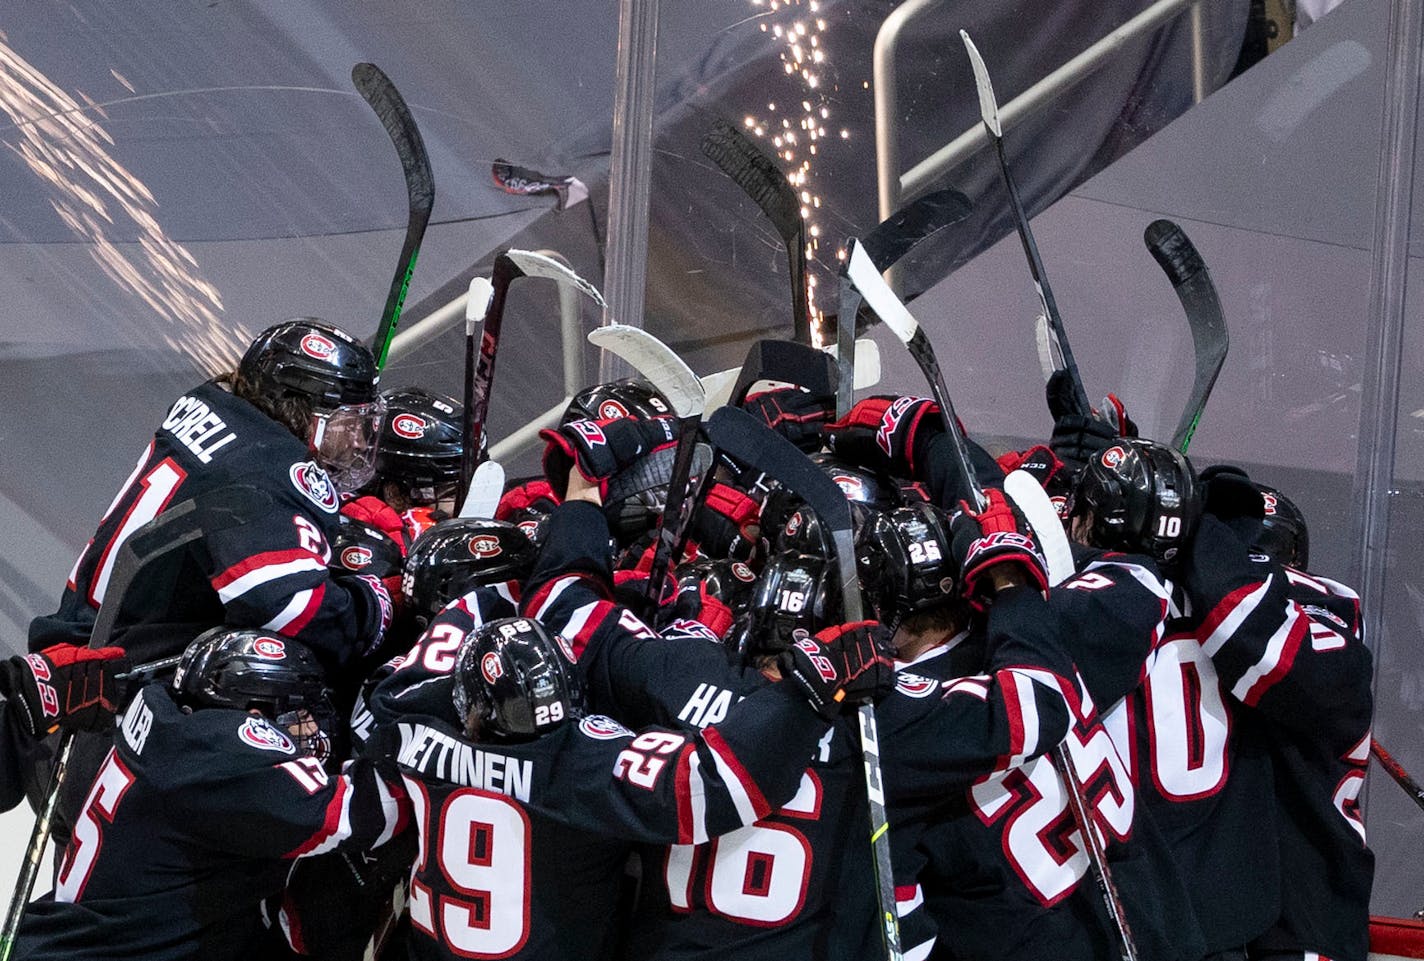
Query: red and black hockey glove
{"points": [[1040, 463], [534, 495], [65, 686], [1228, 494], [728, 526], [842, 665], [374, 512], [991, 542], [886, 433], [630, 574], [793, 412], [694, 608], [602, 449]]}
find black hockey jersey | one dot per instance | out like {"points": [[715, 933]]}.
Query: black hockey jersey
{"points": [[192, 821], [523, 844], [269, 574]]}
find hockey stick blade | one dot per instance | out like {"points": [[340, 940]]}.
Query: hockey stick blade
{"points": [[486, 488], [761, 179], [1033, 502], [1185, 270], [657, 363], [378, 91], [786, 361], [896, 235], [533, 264]]}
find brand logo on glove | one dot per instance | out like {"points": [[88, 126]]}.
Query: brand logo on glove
{"points": [[270, 648], [1271, 503], [891, 420], [354, 558], [485, 546], [1114, 456], [491, 667], [258, 732], [590, 432], [611, 409], [410, 426], [602, 728], [686, 627], [819, 661], [315, 486], [1001, 540], [315, 345]]}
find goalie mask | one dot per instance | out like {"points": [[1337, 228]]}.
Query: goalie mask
{"points": [[904, 561], [1283, 536], [421, 447], [1137, 496], [515, 680], [248, 670], [311, 361], [456, 556]]}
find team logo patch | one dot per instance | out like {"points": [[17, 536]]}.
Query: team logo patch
{"points": [[1271, 502], [315, 345], [794, 524], [485, 546], [491, 667], [853, 487], [270, 648], [602, 728], [915, 685], [742, 572], [530, 528], [411, 426], [610, 409], [355, 557], [259, 733], [315, 486], [1114, 456], [566, 647]]}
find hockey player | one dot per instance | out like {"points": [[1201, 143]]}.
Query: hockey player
{"points": [[63, 686], [1289, 645], [214, 784]]}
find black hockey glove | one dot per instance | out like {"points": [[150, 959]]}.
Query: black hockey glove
{"points": [[1227, 493], [1078, 435], [64, 686], [840, 666], [602, 449], [990, 543], [728, 526], [793, 412], [886, 433]]}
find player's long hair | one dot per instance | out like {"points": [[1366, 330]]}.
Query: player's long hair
{"points": [[293, 413]]}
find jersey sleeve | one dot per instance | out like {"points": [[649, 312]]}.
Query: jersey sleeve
{"points": [[662, 786], [939, 737], [1111, 616]]}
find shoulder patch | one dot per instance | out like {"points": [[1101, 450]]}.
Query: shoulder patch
{"points": [[915, 685], [258, 732], [602, 728], [313, 484]]}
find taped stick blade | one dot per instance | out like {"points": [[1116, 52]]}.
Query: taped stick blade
{"points": [[656, 362], [988, 105]]}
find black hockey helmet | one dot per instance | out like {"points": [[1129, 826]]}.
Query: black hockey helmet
{"points": [[796, 592], [364, 550], [422, 444], [458, 555], [620, 398], [514, 680], [904, 561], [308, 360], [1140, 496], [1284, 536], [797, 529], [247, 669]]}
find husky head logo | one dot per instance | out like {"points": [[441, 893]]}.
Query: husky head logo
{"points": [[485, 546], [610, 409], [915, 685], [491, 667], [1114, 456], [318, 346], [315, 486], [258, 732], [409, 426], [356, 557], [270, 648], [602, 728]]}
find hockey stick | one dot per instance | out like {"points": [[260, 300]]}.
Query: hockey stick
{"points": [[177, 527], [1396, 770], [378, 91], [486, 488], [883, 302], [667, 372], [887, 245], [743, 437], [509, 266], [1179, 260], [477, 305], [989, 113], [762, 180]]}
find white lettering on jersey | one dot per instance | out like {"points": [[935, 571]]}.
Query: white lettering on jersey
{"points": [[193, 424], [707, 705], [439, 755], [138, 722]]}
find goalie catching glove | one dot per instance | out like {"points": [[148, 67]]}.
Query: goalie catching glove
{"points": [[991, 544], [602, 449], [840, 666], [64, 686]]}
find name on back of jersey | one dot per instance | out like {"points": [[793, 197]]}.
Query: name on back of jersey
{"points": [[194, 425], [436, 754], [137, 723]]}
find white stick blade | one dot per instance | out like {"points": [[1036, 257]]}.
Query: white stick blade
{"points": [[656, 361], [877, 293], [486, 488], [1050, 358], [539, 265], [1030, 498], [477, 302], [988, 106], [717, 387]]}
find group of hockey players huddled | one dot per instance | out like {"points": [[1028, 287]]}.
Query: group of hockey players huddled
{"points": [[395, 732]]}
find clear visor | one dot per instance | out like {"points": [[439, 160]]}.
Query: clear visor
{"points": [[345, 442]]}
